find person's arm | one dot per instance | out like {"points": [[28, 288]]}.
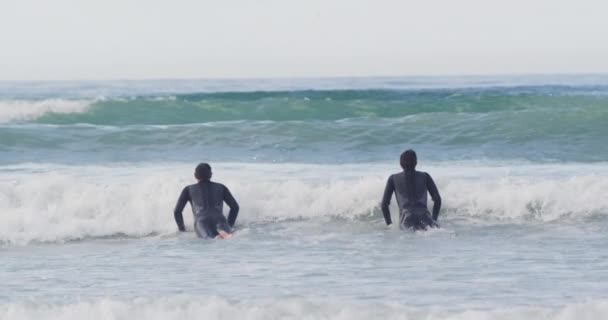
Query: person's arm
{"points": [[233, 205], [184, 197], [386, 200], [434, 195]]}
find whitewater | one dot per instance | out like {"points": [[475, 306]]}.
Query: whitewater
{"points": [[90, 173]]}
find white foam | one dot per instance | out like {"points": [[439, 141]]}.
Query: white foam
{"points": [[22, 110], [194, 307], [63, 203], [529, 198]]}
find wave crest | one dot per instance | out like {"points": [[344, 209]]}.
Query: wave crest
{"points": [[192, 307], [310, 105], [25, 110], [102, 201]]}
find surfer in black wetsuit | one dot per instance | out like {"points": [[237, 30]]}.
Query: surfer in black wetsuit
{"points": [[410, 188], [207, 200]]}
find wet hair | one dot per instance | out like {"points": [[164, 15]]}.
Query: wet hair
{"points": [[408, 161], [203, 172]]}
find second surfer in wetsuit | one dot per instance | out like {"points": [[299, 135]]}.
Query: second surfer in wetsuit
{"points": [[410, 188], [207, 199]]}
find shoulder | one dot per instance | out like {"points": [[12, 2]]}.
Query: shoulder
{"points": [[217, 185], [186, 192], [190, 187], [421, 176], [396, 175], [426, 175]]}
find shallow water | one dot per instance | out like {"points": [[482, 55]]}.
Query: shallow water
{"points": [[87, 193], [456, 267]]}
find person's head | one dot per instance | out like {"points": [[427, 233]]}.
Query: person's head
{"points": [[203, 172], [408, 160]]}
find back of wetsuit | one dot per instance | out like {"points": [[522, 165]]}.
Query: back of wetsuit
{"points": [[403, 192], [207, 200], [412, 203]]}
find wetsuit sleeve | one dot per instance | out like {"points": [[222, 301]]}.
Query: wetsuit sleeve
{"points": [[434, 195], [184, 197], [386, 200], [233, 205]]}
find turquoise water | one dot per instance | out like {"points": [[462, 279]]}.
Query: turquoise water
{"points": [[90, 172], [536, 123]]}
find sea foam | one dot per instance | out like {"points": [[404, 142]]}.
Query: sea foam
{"points": [[24, 110], [194, 307], [80, 202]]}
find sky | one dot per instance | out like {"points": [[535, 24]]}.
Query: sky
{"points": [[152, 39]]}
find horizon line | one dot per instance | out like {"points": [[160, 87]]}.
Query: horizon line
{"points": [[246, 78]]}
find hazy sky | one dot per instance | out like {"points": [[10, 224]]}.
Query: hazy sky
{"points": [[107, 39]]}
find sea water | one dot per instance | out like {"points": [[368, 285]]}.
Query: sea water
{"points": [[90, 173]]}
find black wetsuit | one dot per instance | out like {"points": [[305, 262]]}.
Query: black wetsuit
{"points": [[413, 212], [207, 200]]}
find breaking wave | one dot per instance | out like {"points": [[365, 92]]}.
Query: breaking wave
{"points": [[83, 202], [309, 105], [26, 110], [192, 307]]}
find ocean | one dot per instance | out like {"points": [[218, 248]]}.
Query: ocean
{"points": [[90, 172]]}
